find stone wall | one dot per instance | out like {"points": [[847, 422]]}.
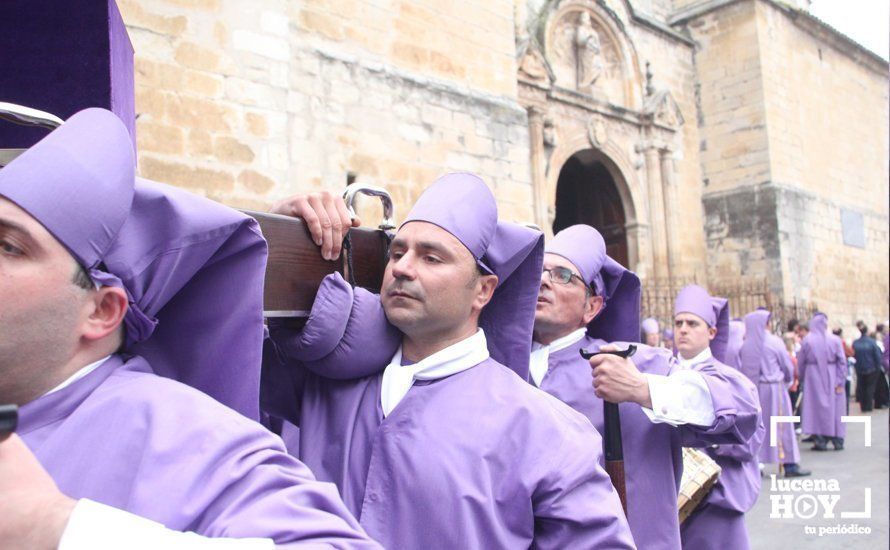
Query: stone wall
{"points": [[247, 101], [827, 117], [793, 121]]}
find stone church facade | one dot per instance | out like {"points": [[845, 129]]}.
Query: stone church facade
{"points": [[739, 143]]}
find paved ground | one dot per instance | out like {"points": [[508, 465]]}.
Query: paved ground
{"points": [[855, 469]]}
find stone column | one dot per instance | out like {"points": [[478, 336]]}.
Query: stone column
{"points": [[638, 251], [538, 164], [660, 269], [671, 216]]}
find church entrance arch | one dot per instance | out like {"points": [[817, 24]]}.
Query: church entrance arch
{"points": [[587, 192]]}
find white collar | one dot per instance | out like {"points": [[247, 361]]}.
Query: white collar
{"points": [[78, 375], [458, 357], [539, 361], [700, 358]]}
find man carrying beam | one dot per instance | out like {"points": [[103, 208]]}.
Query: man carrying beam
{"points": [[127, 308]]}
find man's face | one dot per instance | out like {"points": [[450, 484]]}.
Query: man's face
{"points": [[692, 334], [41, 305], [431, 286], [562, 307], [653, 339]]}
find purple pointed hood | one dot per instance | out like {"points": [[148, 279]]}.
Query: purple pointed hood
{"points": [[192, 268], [751, 355], [714, 310], [463, 205], [817, 339], [77, 182], [650, 326], [619, 319]]}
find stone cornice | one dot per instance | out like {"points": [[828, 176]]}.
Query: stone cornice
{"points": [[813, 25]]}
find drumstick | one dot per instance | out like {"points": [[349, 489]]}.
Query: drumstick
{"points": [[613, 448]]}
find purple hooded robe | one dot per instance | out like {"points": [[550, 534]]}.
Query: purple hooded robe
{"points": [[478, 459], [823, 368], [767, 363], [652, 452], [719, 521], [154, 445]]}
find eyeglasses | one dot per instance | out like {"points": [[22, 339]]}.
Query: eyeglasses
{"points": [[562, 275]]}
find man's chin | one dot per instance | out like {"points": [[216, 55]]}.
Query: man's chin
{"points": [[400, 316]]}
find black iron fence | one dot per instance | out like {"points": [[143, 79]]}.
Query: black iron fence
{"points": [[744, 296]]}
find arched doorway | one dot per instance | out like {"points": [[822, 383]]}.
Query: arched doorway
{"points": [[586, 193]]}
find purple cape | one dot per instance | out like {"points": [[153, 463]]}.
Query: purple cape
{"points": [[766, 362], [823, 367], [126, 437]]}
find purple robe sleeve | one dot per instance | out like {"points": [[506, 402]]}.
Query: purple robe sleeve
{"points": [[347, 336], [736, 408], [256, 489], [745, 451], [564, 516]]}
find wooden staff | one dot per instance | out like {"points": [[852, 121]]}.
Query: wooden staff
{"points": [[9, 419], [612, 446]]}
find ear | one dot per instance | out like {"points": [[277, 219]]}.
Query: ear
{"points": [[712, 333], [485, 287], [592, 308], [105, 312]]}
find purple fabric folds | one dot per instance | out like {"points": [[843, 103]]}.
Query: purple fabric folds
{"points": [[347, 334], [157, 448]]}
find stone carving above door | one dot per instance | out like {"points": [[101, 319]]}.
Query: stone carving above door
{"points": [[583, 55]]}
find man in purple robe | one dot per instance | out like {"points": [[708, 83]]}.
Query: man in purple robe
{"points": [[586, 301], [765, 361], [128, 306], [719, 521], [651, 332], [448, 446], [823, 371]]}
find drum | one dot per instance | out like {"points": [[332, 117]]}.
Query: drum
{"points": [[700, 473]]}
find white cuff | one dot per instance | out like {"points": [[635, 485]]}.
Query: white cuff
{"points": [[681, 397], [96, 526]]}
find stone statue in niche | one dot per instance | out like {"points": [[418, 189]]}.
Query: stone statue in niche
{"points": [[550, 141], [584, 58], [588, 59]]}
